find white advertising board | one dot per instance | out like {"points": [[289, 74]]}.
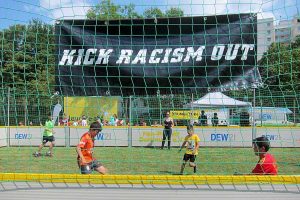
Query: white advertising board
{"points": [[32, 136], [220, 136], [108, 137], [281, 137], [3, 137], [152, 136]]}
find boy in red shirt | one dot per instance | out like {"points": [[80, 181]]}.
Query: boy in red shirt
{"points": [[266, 164], [84, 149]]}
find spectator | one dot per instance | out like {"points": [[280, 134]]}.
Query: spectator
{"points": [[167, 132], [75, 123], [21, 123], [30, 123], [244, 118], [113, 120], [98, 119], [142, 122], [105, 122], [215, 120], [202, 119], [156, 124], [65, 120], [84, 121], [120, 122]]}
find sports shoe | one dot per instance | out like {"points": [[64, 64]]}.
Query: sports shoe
{"points": [[49, 154], [36, 154]]}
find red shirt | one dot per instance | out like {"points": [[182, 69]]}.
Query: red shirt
{"points": [[86, 144], [266, 166]]}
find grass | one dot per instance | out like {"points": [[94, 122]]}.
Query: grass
{"points": [[137, 160]]}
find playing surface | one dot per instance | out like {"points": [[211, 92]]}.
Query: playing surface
{"points": [[124, 160]]}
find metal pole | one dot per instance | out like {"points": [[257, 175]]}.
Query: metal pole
{"points": [[8, 106], [253, 113], [160, 114], [130, 107], [8, 111], [130, 125], [294, 111], [261, 121], [192, 120], [25, 113]]}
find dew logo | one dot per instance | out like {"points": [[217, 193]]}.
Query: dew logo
{"points": [[23, 136], [272, 137], [103, 136], [266, 117], [222, 137]]}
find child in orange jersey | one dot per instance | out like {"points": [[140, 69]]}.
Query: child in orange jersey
{"points": [[85, 159]]}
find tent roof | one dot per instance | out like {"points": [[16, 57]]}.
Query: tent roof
{"points": [[218, 99]]}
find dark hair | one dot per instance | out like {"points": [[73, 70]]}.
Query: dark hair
{"points": [[190, 127], [96, 126], [262, 142]]}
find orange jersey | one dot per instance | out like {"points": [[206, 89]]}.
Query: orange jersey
{"points": [[87, 144], [266, 166]]}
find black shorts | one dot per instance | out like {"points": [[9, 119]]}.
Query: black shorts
{"points": [[48, 139], [189, 157], [87, 169]]}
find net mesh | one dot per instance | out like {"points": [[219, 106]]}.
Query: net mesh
{"points": [[86, 60]]}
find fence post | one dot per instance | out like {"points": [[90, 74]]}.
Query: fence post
{"points": [[130, 123], [8, 111]]}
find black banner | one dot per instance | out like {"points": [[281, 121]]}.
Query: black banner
{"points": [[146, 56]]}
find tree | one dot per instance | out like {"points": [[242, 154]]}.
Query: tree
{"points": [[105, 10], [128, 12], [28, 58], [279, 66], [28, 66], [153, 13], [174, 12]]}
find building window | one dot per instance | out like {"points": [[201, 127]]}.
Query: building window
{"points": [[269, 39], [268, 24], [269, 32]]}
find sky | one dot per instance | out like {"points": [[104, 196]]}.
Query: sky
{"points": [[22, 11]]}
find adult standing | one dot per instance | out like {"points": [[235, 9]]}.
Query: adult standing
{"points": [[215, 120], [167, 132], [202, 119]]}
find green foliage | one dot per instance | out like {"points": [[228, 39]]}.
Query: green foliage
{"points": [[174, 12], [106, 10], [128, 12], [28, 64], [280, 66], [28, 58], [153, 13]]}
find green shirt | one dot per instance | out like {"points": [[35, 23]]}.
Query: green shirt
{"points": [[48, 128]]}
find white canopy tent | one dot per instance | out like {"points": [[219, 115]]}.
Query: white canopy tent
{"points": [[217, 99]]}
